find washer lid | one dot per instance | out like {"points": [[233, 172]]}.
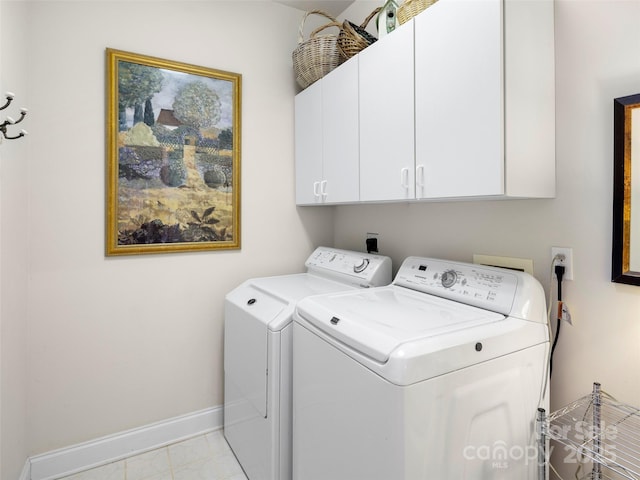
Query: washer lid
{"points": [[271, 300], [376, 322], [292, 288]]}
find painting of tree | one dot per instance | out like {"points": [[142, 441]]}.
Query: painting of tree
{"points": [[173, 156], [197, 105], [136, 84]]}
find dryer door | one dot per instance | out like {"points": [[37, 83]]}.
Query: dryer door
{"points": [[248, 311]]}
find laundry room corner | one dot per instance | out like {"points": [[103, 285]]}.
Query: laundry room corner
{"points": [[96, 346]]}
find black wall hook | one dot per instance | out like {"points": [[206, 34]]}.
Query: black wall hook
{"points": [[10, 121]]}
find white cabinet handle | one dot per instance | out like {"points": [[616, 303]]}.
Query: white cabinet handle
{"points": [[323, 189], [404, 178], [420, 180], [420, 175], [316, 189]]}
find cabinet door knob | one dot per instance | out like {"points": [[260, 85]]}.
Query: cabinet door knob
{"points": [[323, 188], [316, 189]]}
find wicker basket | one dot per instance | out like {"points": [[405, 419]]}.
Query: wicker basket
{"points": [[317, 56], [411, 8], [352, 38]]}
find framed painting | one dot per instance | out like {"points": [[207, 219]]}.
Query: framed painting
{"points": [[173, 156], [625, 266]]}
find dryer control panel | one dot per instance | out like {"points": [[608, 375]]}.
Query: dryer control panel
{"points": [[359, 269], [490, 288]]}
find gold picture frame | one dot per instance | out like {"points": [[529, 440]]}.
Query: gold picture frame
{"points": [[173, 156]]}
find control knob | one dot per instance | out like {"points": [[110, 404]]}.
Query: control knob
{"points": [[449, 278], [359, 268]]}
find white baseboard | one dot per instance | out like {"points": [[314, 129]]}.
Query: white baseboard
{"points": [[66, 461]]}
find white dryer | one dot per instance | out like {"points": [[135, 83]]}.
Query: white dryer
{"points": [[435, 377], [257, 353]]}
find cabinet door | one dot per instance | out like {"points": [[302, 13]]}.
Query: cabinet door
{"points": [[459, 98], [340, 134], [308, 144], [386, 118]]}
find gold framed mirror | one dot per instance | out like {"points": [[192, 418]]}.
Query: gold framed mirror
{"points": [[626, 190]]}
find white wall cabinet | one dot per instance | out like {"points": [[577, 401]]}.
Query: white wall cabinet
{"points": [[485, 105], [457, 103], [308, 144], [387, 160], [326, 136]]}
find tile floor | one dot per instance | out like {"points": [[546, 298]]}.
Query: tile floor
{"points": [[206, 457]]}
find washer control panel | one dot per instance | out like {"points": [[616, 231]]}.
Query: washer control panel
{"points": [[357, 268], [491, 288]]}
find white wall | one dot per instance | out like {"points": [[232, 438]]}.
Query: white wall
{"points": [[597, 60], [13, 246], [116, 343]]}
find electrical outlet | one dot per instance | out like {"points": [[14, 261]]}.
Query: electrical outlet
{"points": [[372, 242], [566, 262]]}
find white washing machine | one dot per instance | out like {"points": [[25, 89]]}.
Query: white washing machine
{"points": [[435, 377], [257, 353]]}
